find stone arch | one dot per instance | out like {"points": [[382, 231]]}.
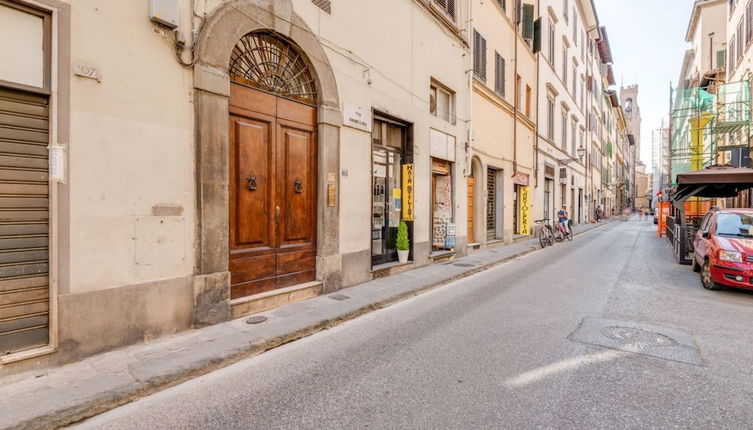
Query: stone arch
{"points": [[222, 29]]}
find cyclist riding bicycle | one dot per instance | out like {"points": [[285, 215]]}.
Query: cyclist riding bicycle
{"points": [[562, 220]]}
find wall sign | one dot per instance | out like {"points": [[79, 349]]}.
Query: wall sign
{"points": [[87, 71], [408, 190], [520, 179], [356, 117], [524, 194]]}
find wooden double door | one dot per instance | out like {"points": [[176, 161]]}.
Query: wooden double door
{"points": [[273, 187]]}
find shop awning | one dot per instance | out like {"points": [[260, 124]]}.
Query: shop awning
{"points": [[714, 181]]}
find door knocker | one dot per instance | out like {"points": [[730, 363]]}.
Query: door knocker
{"points": [[252, 185], [298, 186]]}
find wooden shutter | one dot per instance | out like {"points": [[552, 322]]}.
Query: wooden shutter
{"points": [[527, 21], [24, 215], [499, 74], [479, 55], [537, 36]]}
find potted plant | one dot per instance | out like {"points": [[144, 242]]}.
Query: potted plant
{"points": [[402, 244]]}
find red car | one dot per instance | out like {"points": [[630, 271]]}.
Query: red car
{"points": [[723, 249]]}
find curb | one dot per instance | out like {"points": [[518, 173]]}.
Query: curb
{"points": [[138, 389]]}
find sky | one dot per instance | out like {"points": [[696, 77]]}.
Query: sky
{"points": [[648, 44]]}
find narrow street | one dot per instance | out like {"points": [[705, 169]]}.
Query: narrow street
{"points": [[602, 332]]}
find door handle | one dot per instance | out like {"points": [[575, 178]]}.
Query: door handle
{"points": [[252, 185]]}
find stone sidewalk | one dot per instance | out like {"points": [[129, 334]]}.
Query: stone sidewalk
{"points": [[61, 396]]}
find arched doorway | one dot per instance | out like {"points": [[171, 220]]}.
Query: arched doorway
{"points": [[272, 180]]}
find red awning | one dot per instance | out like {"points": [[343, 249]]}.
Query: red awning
{"points": [[605, 51]]}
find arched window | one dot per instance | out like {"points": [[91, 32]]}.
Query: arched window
{"points": [[274, 65], [629, 105]]}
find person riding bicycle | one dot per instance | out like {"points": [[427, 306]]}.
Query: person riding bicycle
{"points": [[562, 219]]}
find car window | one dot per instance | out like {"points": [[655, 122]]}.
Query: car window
{"points": [[705, 224], [734, 224]]}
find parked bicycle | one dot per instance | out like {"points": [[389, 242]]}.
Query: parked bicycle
{"points": [[546, 234]]}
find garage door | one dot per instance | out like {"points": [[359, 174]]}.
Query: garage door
{"points": [[24, 227]]}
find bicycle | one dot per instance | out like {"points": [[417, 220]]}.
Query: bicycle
{"points": [[563, 233], [546, 235]]}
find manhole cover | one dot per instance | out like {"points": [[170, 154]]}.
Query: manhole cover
{"points": [[339, 297], [463, 265], [637, 337], [256, 320]]}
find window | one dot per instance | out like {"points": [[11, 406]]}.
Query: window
{"points": [[442, 103], [740, 35], [721, 58], [448, 6], [575, 79], [550, 117], [575, 28], [583, 47], [479, 56], [629, 105], [564, 129], [565, 8], [573, 137], [502, 4], [564, 64], [499, 74], [731, 57], [528, 101], [519, 92], [551, 42], [749, 23]]}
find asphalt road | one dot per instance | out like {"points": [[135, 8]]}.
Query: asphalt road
{"points": [[602, 332]]}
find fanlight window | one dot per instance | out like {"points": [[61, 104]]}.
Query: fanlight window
{"points": [[273, 65]]}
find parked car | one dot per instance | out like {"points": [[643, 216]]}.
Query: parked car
{"points": [[723, 249]]}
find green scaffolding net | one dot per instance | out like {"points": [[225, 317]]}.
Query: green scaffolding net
{"points": [[709, 126]]}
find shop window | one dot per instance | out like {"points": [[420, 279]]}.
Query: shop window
{"points": [[443, 149], [443, 225], [390, 152]]}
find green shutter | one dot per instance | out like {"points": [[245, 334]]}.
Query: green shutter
{"points": [[721, 59], [527, 21], [537, 36]]}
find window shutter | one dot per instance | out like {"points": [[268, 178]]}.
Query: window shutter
{"points": [[720, 58], [503, 4], [483, 58], [527, 21], [537, 36], [451, 8]]}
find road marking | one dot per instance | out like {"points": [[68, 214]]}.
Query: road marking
{"points": [[562, 366]]}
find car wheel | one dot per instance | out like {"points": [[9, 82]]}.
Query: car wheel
{"points": [[706, 279], [696, 267]]}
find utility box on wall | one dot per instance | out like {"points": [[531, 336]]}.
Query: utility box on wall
{"points": [[165, 12]]}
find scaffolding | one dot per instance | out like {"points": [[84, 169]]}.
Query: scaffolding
{"points": [[709, 125]]}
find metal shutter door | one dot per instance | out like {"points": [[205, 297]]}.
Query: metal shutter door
{"points": [[24, 215]]}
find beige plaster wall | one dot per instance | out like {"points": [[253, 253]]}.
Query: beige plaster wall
{"points": [[131, 152], [388, 72]]}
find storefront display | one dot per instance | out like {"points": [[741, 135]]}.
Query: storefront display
{"points": [[388, 157]]}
